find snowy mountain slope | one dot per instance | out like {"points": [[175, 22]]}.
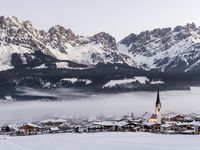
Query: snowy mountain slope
{"points": [[34, 58], [167, 50], [58, 42], [164, 49]]}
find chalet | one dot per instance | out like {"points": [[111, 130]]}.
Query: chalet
{"points": [[30, 129], [197, 118], [95, 128], [107, 125], [167, 129], [184, 128], [174, 117], [196, 127], [188, 119], [65, 127], [151, 127], [132, 127], [54, 130], [112, 125], [79, 128]]}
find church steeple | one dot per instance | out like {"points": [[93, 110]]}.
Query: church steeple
{"points": [[156, 117], [158, 98], [158, 106]]}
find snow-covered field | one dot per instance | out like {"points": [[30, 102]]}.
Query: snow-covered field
{"points": [[102, 141]]}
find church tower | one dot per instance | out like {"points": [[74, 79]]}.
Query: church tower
{"points": [[158, 107]]}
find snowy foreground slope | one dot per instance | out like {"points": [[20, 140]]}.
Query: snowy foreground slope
{"points": [[102, 141]]}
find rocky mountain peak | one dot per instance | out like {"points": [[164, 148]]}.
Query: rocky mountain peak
{"points": [[28, 25], [160, 32], [9, 22], [190, 26], [105, 39], [60, 31]]}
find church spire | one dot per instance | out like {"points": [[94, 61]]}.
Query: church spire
{"points": [[158, 107], [158, 98]]}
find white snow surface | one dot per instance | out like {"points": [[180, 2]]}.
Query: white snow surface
{"points": [[5, 67], [59, 65], [65, 65], [102, 141], [42, 66], [62, 65], [113, 83], [141, 79], [157, 82], [6, 54], [74, 80], [84, 54]]}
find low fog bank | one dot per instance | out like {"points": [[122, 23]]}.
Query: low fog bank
{"points": [[87, 104]]}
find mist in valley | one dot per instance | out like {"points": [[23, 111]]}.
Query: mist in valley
{"points": [[73, 103]]}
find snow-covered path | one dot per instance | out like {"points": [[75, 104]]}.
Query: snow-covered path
{"points": [[102, 141]]}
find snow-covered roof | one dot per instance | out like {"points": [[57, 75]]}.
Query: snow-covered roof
{"points": [[54, 121], [120, 123], [198, 116], [195, 123], [104, 123], [32, 125], [147, 115], [183, 123], [166, 125], [54, 128], [111, 123], [64, 124], [173, 115], [149, 123]]}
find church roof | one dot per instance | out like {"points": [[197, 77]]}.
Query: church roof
{"points": [[158, 97]]}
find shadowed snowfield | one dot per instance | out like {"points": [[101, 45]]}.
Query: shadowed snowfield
{"points": [[102, 141], [74, 103]]}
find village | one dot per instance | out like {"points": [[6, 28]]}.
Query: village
{"points": [[157, 122]]}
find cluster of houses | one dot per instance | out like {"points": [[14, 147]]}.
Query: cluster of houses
{"points": [[170, 124], [155, 123]]}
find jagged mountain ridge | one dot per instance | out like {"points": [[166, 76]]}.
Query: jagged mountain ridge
{"points": [[167, 49], [19, 41], [37, 58]]}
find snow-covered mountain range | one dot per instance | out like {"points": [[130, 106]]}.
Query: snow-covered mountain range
{"points": [[32, 57], [20, 41], [165, 49]]}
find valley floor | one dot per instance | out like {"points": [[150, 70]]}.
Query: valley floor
{"points": [[102, 141]]}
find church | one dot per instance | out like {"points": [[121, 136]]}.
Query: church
{"points": [[156, 117]]}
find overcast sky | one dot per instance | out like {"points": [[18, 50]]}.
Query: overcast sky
{"points": [[117, 17]]}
